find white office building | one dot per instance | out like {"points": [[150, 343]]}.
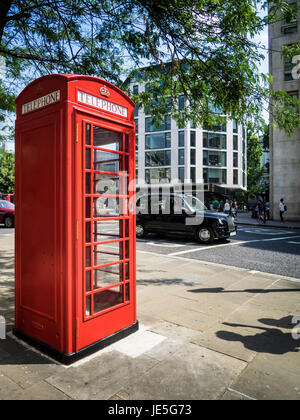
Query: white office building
{"points": [[8, 146], [171, 155]]}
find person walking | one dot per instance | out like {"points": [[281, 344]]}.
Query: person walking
{"points": [[282, 209], [216, 204], [221, 209], [227, 207], [233, 210], [261, 212]]}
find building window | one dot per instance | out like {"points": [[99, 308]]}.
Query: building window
{"points": [[215, 176], [180, 138], [164, 125], [158, 141], [193, 174], [158, 175], [181, 157], [158, 158], [181, 174], [193, 139], [244, 162], [136, 121], [135, 89], [219, 127], [235, 126], [235, 142], [290, 23], [136, 111], [235, 176], [214, 141], [235, 160], [181, 103], [214, 158], [288, 67], [193, 157]]}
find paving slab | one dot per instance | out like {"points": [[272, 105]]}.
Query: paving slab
{"points": [[205, 376], [27, 368], [215, 339], [8, 388], [42, 391], [175, 331], [102, 377], [264, 379]]}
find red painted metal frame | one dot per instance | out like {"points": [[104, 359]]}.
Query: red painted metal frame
{"points": [[50, 249]]}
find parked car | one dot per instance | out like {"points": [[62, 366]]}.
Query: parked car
{"points": [[7, 213], [181, 214]]}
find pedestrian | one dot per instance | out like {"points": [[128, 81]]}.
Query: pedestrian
{"points": [[227, 207], [221, 206], [233, 210], [282, 209], [216, 205], [236, 206]]}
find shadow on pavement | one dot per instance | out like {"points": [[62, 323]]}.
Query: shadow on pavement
{"points": [[271, 340]]}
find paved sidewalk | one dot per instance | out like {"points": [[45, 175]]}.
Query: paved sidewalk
{"points": [[246, 219], [206, 332]]}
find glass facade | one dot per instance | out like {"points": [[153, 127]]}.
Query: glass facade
{"points": [[193, 139], [181, 174], [235, 159], [214, 141], [193, 157], [158, 141], [214, 158], [235, 142], [158, 175], [235, 126], [181, 157], [215, 176], [180, 138], [193, 174], [290, 22], [235, 176], [219, 127], [163, 126], [158, 158]]}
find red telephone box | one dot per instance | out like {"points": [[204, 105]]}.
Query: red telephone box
{"points": [[75, 232]]}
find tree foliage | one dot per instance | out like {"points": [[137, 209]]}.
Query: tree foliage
{"points": [[255, 170], [7, 172], [208, 44]]}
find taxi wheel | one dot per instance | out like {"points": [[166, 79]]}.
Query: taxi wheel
{"points": [[140, 231], [205, 235]]}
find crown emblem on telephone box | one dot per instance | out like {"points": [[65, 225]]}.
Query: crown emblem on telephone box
{"points": [[104, 92]]}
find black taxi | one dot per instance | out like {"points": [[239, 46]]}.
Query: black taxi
{"points": [[181, 214]]}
